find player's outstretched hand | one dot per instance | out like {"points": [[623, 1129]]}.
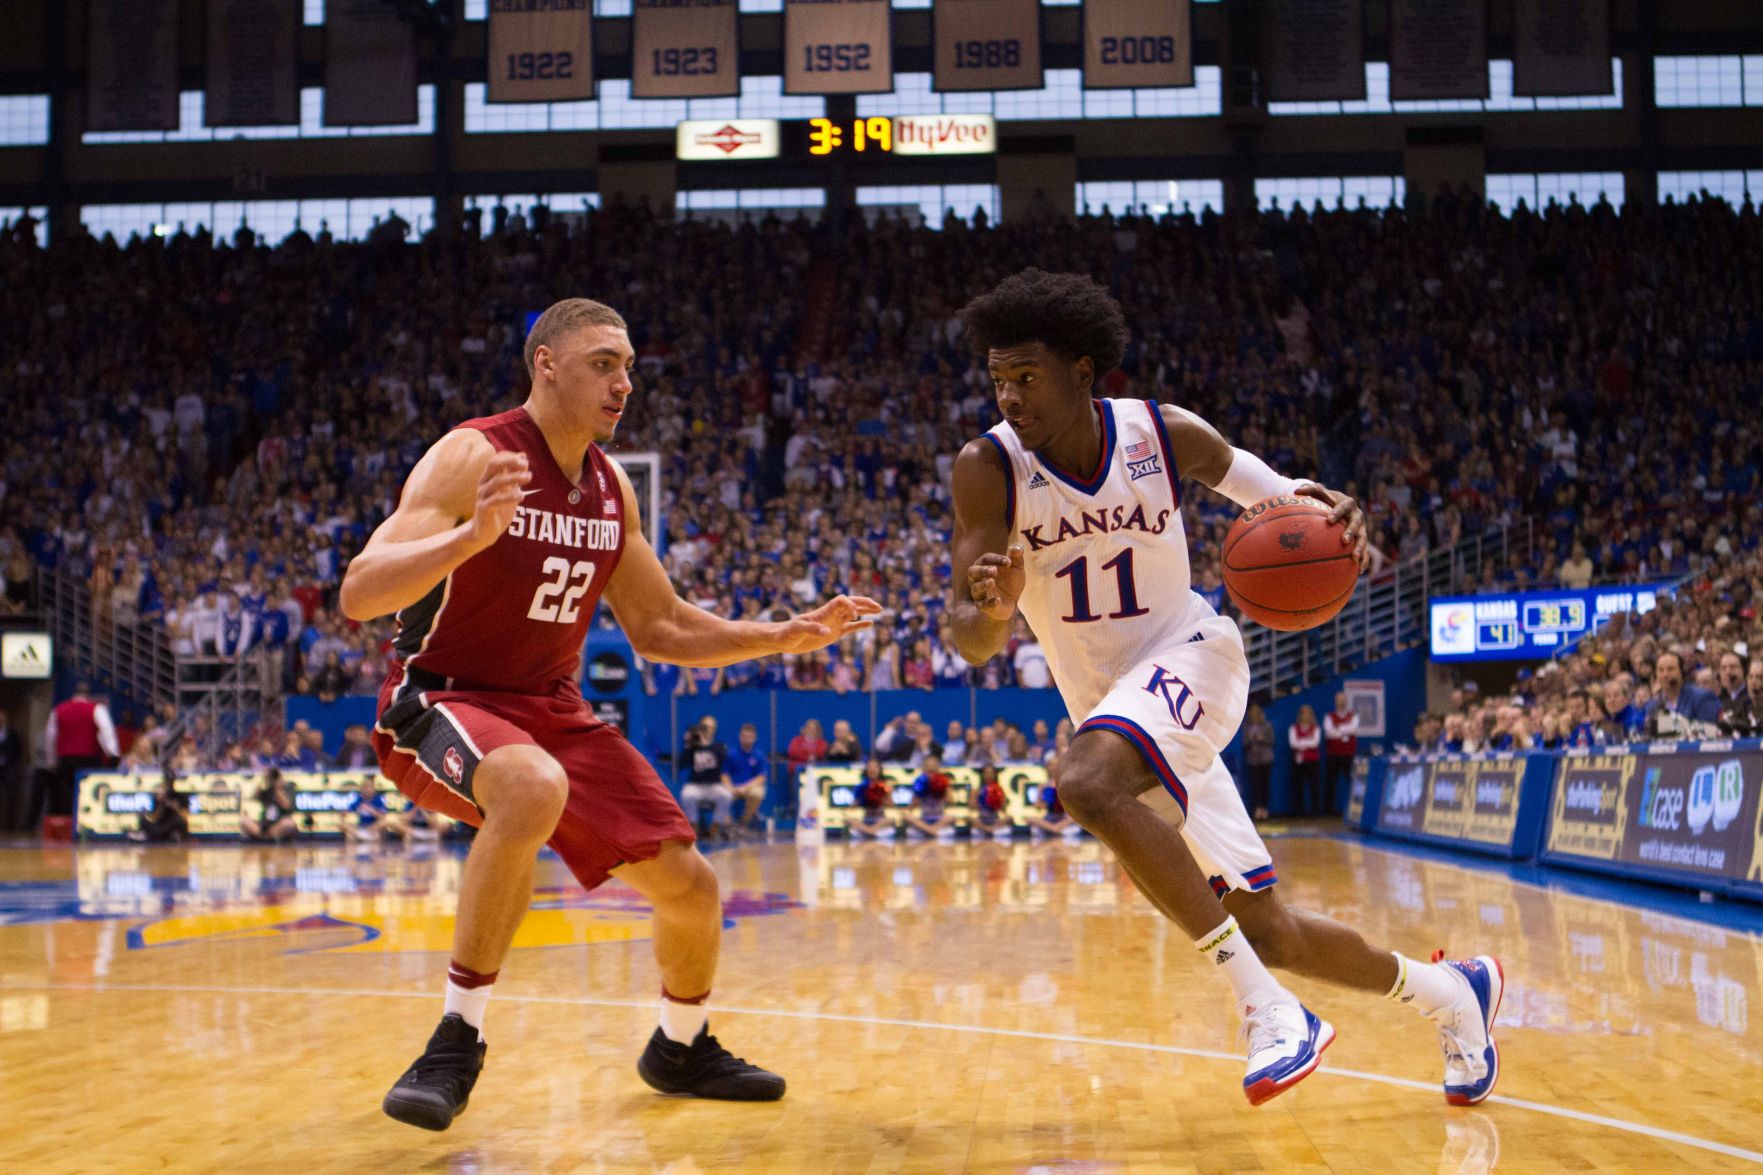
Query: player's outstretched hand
{"points": [[1345, 510], [498, 495], [828, 624], [996, 581]]}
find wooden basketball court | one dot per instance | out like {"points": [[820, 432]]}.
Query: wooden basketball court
{"points": [[935, 1007]]}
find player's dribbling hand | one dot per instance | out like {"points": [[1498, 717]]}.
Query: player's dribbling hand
{"points": [[995, 582], [828, 624], [498, 495], [1347, 511]]}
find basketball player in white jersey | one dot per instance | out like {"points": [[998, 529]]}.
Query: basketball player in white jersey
{"points": [[1070, 511]]}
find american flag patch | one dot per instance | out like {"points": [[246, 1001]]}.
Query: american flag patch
{"points": [[609, 506], [1139, 451]]}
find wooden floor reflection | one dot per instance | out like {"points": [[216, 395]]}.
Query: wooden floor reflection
{"points": [[936, 1007]]}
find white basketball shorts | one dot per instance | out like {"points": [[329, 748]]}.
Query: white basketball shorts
{"points": [[1179, 709]]}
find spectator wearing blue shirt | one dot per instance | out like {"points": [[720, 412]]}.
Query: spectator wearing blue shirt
{"points": [[1674, 698], [1622, 718], [748, 773]]}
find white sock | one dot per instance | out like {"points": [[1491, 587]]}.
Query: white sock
{"points": [[681, 1021], [1425, 987], [469, 1003], [1229, 950]]}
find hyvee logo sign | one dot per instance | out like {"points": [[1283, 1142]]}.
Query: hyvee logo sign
{"points": [[945, 134]]}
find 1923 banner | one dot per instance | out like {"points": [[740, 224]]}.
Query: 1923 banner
{"points": [[132, 65], [685, 49], [987, 44], [1130, 44], [541, 51], [253, 46], [837, 47], [369, 65]]}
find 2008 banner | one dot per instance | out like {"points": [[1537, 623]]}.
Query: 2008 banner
{"points": [[541, 51], [1688, 814], [838, 47], [1130, 44], [987, 44], [685, 49]]}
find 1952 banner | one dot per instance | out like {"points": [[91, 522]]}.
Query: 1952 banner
{"points": [[541, 51], [837, 47], [1688, 813], [987, 44], [685, 49], [1133, 43], [253, 46]]}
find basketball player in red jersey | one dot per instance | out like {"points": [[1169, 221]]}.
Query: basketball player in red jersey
{"points": [[509, 531]]}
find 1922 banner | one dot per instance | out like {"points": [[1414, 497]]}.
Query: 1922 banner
{"points": [[132, 65], [1561, 48], [1438, 49], [837, 47], [685, 49], [369, 65], [1134, 43], [987, 44], [1316, 51], [541, 51], [252, 49]]}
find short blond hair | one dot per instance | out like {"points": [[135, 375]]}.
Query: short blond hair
{"points": [[561, 318]]}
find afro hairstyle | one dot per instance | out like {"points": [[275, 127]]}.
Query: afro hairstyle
{"points": [[1069, 313]]}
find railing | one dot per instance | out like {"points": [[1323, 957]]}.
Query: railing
{"points": [[226, 699], [132, 662], [1388, 612]]}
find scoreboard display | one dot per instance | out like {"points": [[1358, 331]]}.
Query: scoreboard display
{"points": [[873, 138], [1529, 626]]}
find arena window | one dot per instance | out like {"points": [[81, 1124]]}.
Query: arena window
{"points": [[737, 200], [24, 120], [1063, 96], [10, 216], [1735, 187], [191, 130], [273, 220], [480, 9], [1711, 80], [557, 202], [1154, 196], [1560, 187], [1336, 191], [934, 201], [1500, 98], [313, 12], [761, 97]]}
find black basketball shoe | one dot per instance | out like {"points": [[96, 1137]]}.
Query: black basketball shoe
{"points": [[434, 1090], [705, 1069]]}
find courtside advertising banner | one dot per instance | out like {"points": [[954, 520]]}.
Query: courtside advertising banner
{"points": [[253, 46], [685, 49], [1129, 44], [1438, 49], [837, 47], [114, 805], [369, 65], [1561, 48], [987, 44], [541, 51], [1316, 51], [132, 65], [835, 793], [1470, 800]]}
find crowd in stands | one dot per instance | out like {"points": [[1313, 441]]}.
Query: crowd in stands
{"points": [[204, 431], [1690, 668]]}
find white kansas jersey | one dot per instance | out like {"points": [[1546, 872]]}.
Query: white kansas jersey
{"points": [[1106, 557]]}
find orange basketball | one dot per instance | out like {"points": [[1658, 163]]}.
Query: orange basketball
{"points": [[1285, 565]]}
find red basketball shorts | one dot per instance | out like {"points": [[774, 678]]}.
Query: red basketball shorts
{"points": [[430, 741]]}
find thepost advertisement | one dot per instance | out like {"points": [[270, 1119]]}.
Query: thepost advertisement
{"points": [[1470, 800], [113, 805]]}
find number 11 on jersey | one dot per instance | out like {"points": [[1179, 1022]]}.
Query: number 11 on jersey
{"points": [[1078, 571]]}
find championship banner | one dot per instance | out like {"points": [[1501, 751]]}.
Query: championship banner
{"points": [[253, 46], [132, 65], [1438, 49], [1316, 51], [838, 47], [1561, 48], [113, 805], [369, 65], [685, 49], [1129, 44], [541, 51], [987, 44]]}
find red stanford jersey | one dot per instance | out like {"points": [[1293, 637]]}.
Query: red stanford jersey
{"points": [[514, 617]]}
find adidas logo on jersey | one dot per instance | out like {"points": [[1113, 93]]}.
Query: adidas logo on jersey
{"points": [[1038, 481]]}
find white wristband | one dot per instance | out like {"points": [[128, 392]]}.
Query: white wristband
{"points": [[1249, 480]]}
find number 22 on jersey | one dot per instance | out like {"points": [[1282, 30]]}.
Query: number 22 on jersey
{"points": [[569, 581]]}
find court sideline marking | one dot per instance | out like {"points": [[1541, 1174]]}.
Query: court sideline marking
{"points": [[1022, 1034]]}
